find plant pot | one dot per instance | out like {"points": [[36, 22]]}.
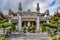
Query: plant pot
{"points": [[24, 31], [33, 31]]}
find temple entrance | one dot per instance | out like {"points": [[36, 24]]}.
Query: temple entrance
{"points": [[28, 23]]}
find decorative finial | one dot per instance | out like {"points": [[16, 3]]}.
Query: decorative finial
{"points": [[20, 7], [47, 11], [10, 11], [38, 8]]}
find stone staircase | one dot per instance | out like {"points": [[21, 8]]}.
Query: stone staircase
{"points": [[30, 36], [37, 36]]}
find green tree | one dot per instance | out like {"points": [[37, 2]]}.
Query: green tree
{"points": [[43, 28], [53, 24], [4, 24]]}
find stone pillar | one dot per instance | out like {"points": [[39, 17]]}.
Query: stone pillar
{"points": [[20, 23], [37, 25]]}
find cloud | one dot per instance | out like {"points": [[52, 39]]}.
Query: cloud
{"points": [[6, 4], [52, 5]]}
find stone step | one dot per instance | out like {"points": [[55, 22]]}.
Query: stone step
{"points": [[29, 36], [37, 34]]}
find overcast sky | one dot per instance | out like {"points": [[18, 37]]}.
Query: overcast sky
{"points": [[52, 5]]}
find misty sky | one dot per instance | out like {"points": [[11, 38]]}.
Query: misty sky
{"points": [[52, 5]]}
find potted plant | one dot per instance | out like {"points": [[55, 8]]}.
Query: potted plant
{"points": [[29, 29], [24, 29], [33, 29]]}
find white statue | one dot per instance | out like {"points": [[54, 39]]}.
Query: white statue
{"points": [[28, 24]]}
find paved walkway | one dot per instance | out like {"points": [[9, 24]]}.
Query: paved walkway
{"points": [[29, 36]]}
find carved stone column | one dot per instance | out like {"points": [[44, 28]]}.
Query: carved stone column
{"points": [[37, 25], [19, 23]]}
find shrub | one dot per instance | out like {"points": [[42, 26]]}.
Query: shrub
{"points": [[55, 18], [43, 29], [24, 29], [1, 21], [1, 18], [50, 25], [14, 22], [33, 28], [29, 29], [13, 27], [2, 38]]}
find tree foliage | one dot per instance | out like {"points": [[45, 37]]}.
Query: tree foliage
{"points": [[53, 23], [4, 24], [43, 29]]}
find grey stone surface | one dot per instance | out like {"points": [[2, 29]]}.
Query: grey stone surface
{"points": [[29, 36]]}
